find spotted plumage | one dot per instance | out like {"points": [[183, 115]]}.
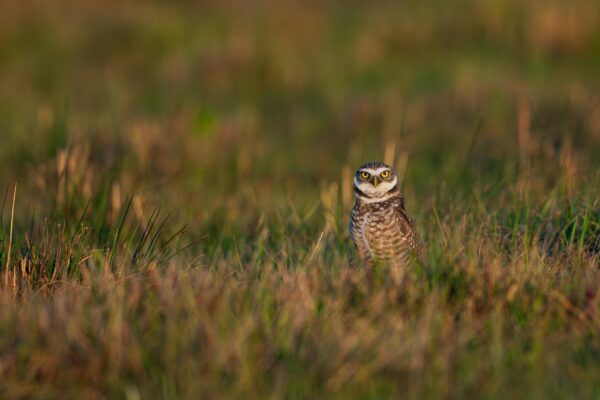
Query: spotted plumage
{"points": [[379, 224]]}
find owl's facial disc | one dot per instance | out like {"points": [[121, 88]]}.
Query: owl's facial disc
{"points": [[375, 183]]}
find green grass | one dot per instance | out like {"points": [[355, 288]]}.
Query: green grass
{"points": [[184, 184]]}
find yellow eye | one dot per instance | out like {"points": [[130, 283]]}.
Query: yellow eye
{"points": [[364, 175], [385, 174]]}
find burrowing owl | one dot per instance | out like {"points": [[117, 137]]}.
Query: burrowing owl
{"points": [[379, 225]]}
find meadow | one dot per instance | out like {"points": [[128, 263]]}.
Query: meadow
{"points": [[176, 181]]}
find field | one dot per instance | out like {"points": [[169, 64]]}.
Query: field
{"points": [[176, 181]]}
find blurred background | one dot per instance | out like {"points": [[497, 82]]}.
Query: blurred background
{"points": [[223, 111]]}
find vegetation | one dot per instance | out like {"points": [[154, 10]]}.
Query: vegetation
{"points": [[177, 178]]}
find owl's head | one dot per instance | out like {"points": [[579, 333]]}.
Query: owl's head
{"points": [[375, 180]]}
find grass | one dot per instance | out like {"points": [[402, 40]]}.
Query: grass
{"points": [[177, 184]]}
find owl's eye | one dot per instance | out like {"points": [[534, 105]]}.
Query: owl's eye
{"points": [[385, 174], [364, 175]]}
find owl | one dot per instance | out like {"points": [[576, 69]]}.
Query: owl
{"points": [[379, 225]]}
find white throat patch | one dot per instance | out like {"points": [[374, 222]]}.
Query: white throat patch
{"points": [[372, 200], [375, 194]]}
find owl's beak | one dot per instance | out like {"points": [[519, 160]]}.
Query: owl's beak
{"points": [[375, 181]]}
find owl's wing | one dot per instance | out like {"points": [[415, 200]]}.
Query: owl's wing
{"points": [[407, 229], [357, 235]]}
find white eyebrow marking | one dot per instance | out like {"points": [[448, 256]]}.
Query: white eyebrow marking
{"points": [[369, 170]]}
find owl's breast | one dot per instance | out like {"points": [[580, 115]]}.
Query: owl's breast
{"points": [[384, 236]]}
